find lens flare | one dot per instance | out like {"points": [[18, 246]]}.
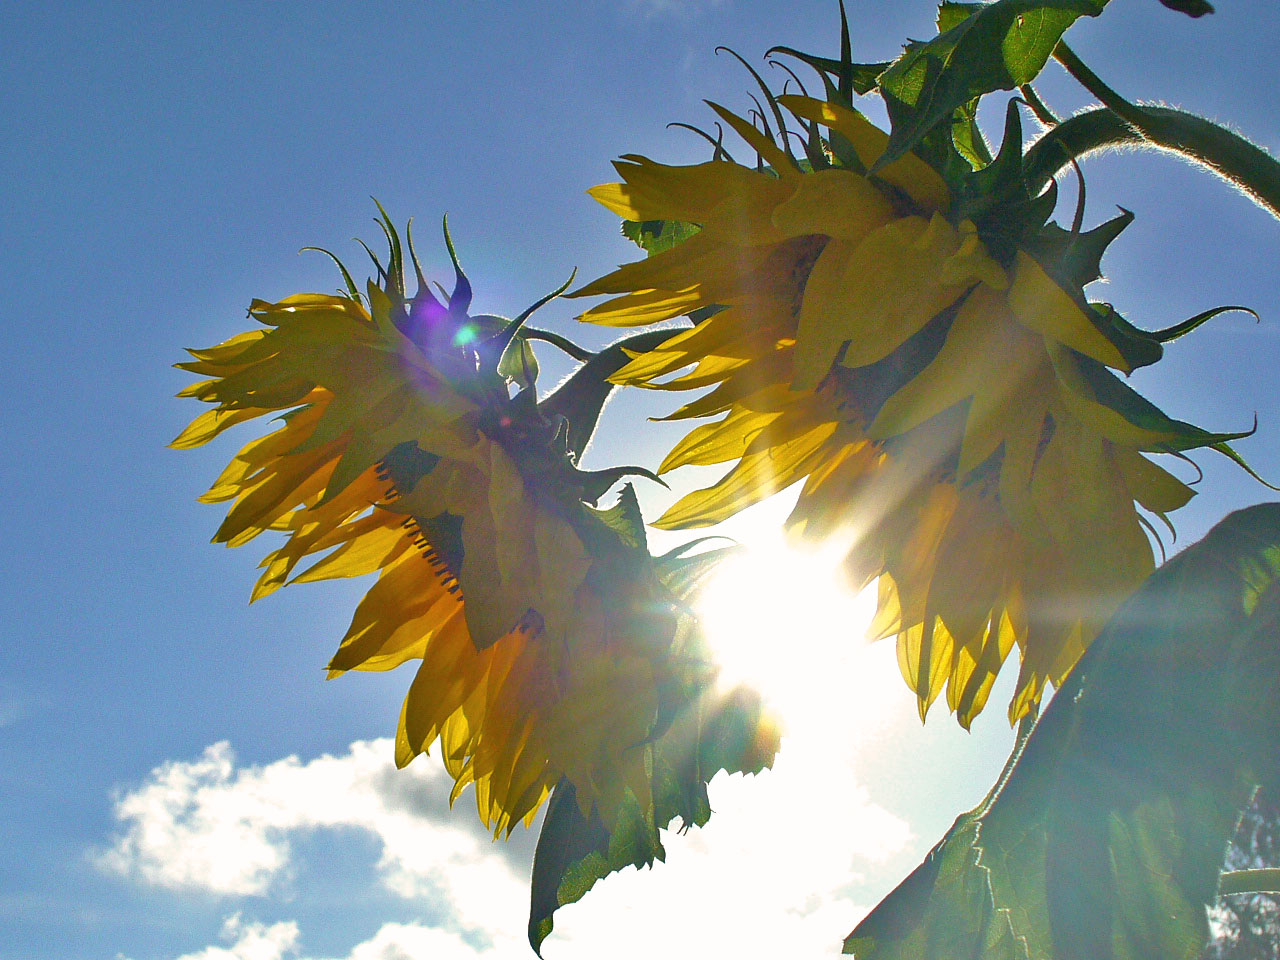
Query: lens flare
{"points": [[782, 620]]}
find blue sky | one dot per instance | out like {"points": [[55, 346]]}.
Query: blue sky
{"points": [[176, 779]]}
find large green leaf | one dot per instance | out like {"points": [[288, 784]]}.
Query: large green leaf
{"points": [[1104, 839], [997, 46], [700, 731], [574, 851]]}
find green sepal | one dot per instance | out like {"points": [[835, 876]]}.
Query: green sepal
{"points": [[1186, 326], [1112, 392], [986, 193], [353, 292], [849, 77], [1140, 348], [1075, 259], [1104, 837], [682, 573], [404, 465], [443, 536], [501, 336], [594, 484], [1224, 447], [864, 76]]}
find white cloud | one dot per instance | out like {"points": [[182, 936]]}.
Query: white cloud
{"points": [[679, 7], [251, 941], [411, 941], [776, 871], [248, 940], [207, 826]]}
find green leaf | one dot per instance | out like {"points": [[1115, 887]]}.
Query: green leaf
{"points": [[1192, 8], [518, 363], [967, 138], [1105, 837], [998, 46], [625, 519], [574, 851], [655, 236], [952, 14]]}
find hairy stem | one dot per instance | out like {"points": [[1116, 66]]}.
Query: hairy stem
{"points": [[556, 340], [1120, 123]]}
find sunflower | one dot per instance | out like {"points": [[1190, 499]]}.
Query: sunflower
{"points": [[549, 640], [949, 399]]}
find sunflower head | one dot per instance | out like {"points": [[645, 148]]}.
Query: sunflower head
{"points": [[911, 337], [553, 647]]}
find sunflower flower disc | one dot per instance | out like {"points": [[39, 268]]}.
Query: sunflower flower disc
{"points": [[948, 397]]}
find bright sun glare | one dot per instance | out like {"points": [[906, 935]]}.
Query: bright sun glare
{"points": [[782, 620]]}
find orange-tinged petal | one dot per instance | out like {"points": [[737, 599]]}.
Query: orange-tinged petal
{"points": [[877, 294], [211, 423], [656, 191]]}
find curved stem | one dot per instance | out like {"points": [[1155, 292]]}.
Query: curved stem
{"points": [[1038, 107], [556, 340], [1120, 123], [1249, 881], [1074, 139], [581, 397]]}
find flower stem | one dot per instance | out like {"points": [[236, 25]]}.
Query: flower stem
{"points": [[1249, 881], [556, 340], [1038, 107], [1120, 123]]}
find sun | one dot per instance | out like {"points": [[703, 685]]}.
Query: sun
{"points": [[782, 619]]}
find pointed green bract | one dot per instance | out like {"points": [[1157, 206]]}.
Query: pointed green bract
{"points": [[1105, 839]]}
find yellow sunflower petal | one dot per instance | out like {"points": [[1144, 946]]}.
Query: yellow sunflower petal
{"points": [[769, 151], [644, 307], [909, 173], [836, 203], [1041, 305], [757, 475]]}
